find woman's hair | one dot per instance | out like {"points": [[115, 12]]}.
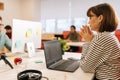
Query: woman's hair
{"points": [[110, 19], [0, 18]]}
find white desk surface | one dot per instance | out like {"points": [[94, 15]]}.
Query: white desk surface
{"points": [[6, 73], [76, 43]]}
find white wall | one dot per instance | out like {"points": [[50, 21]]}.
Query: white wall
{"points": [[45, 9], [80, 7], [54, 9], [20, 9], [60, 8], [37, 10], [27, 9], [30, 10], [11, 10]]}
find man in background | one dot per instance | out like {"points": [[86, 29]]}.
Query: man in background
{"points": [[73, 36], [4, 40], [8, 31]]}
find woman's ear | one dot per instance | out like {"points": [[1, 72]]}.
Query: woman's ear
{"points": [[100, 18]]}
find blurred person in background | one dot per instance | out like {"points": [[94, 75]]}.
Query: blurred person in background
{"points": [[73, 36], [4, 40], [8, 31]]}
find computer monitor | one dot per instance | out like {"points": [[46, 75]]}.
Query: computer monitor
{"points": [[24, 31]]}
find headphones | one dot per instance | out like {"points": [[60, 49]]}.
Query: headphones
{"points": [[29, 75]]}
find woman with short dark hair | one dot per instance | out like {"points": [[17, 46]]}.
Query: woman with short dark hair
{"points": [[101, 53]]}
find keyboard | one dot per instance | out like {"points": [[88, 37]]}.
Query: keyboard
{"points": [[65, 64]]}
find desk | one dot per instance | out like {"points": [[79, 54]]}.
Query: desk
{"points": [[79, 44], [6, 73]]}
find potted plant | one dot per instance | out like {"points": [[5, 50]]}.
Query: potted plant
{"points": [[64, 45]]}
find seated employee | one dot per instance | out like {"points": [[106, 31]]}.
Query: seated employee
{"points": [[8, 31], [101, 53], [4, 40], [73, 36]]}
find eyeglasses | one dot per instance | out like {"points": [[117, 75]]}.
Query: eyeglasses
{"points": [[1, 24]]}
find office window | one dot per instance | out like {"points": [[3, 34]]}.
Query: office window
{"points": [[50, 26], [79, 22], [43, 26], [62, 24], [70, 9]]}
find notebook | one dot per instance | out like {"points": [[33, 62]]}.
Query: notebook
{"points": [[54, 60]]}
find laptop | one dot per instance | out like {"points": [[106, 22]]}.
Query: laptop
{"points": [[54, 60]]}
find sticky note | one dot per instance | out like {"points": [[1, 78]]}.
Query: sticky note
{"points": [[12, 58], [38, 61], [28, 34], [17, 44], [30, 30], [38, 31]]}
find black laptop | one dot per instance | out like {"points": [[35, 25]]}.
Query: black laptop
{"points": [[53, 57]]}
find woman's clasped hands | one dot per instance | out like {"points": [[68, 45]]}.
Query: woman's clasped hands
{"points": [[86, 34]]}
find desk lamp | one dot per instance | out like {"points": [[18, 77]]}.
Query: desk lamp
{"points": [[3, 57]]}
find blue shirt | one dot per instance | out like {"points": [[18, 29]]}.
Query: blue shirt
{"points": [[4, 41]]}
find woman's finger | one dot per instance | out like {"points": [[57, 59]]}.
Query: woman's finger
{"points": [[89, 30], [82, 30]]}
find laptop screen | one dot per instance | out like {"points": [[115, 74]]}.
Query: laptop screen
{"points": [[53, 51]]}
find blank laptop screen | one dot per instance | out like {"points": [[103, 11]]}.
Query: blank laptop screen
{"points": [[53, 52]]}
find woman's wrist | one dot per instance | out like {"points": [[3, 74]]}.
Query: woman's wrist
{"points": [[89, 39]]}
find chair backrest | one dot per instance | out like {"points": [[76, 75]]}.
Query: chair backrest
{"points": [[117, 34], [65, 33]]}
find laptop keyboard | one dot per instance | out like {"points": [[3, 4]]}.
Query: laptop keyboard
{"points": [[64, 65]]}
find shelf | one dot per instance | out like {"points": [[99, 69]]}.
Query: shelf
{"points": [[1, 6]]}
